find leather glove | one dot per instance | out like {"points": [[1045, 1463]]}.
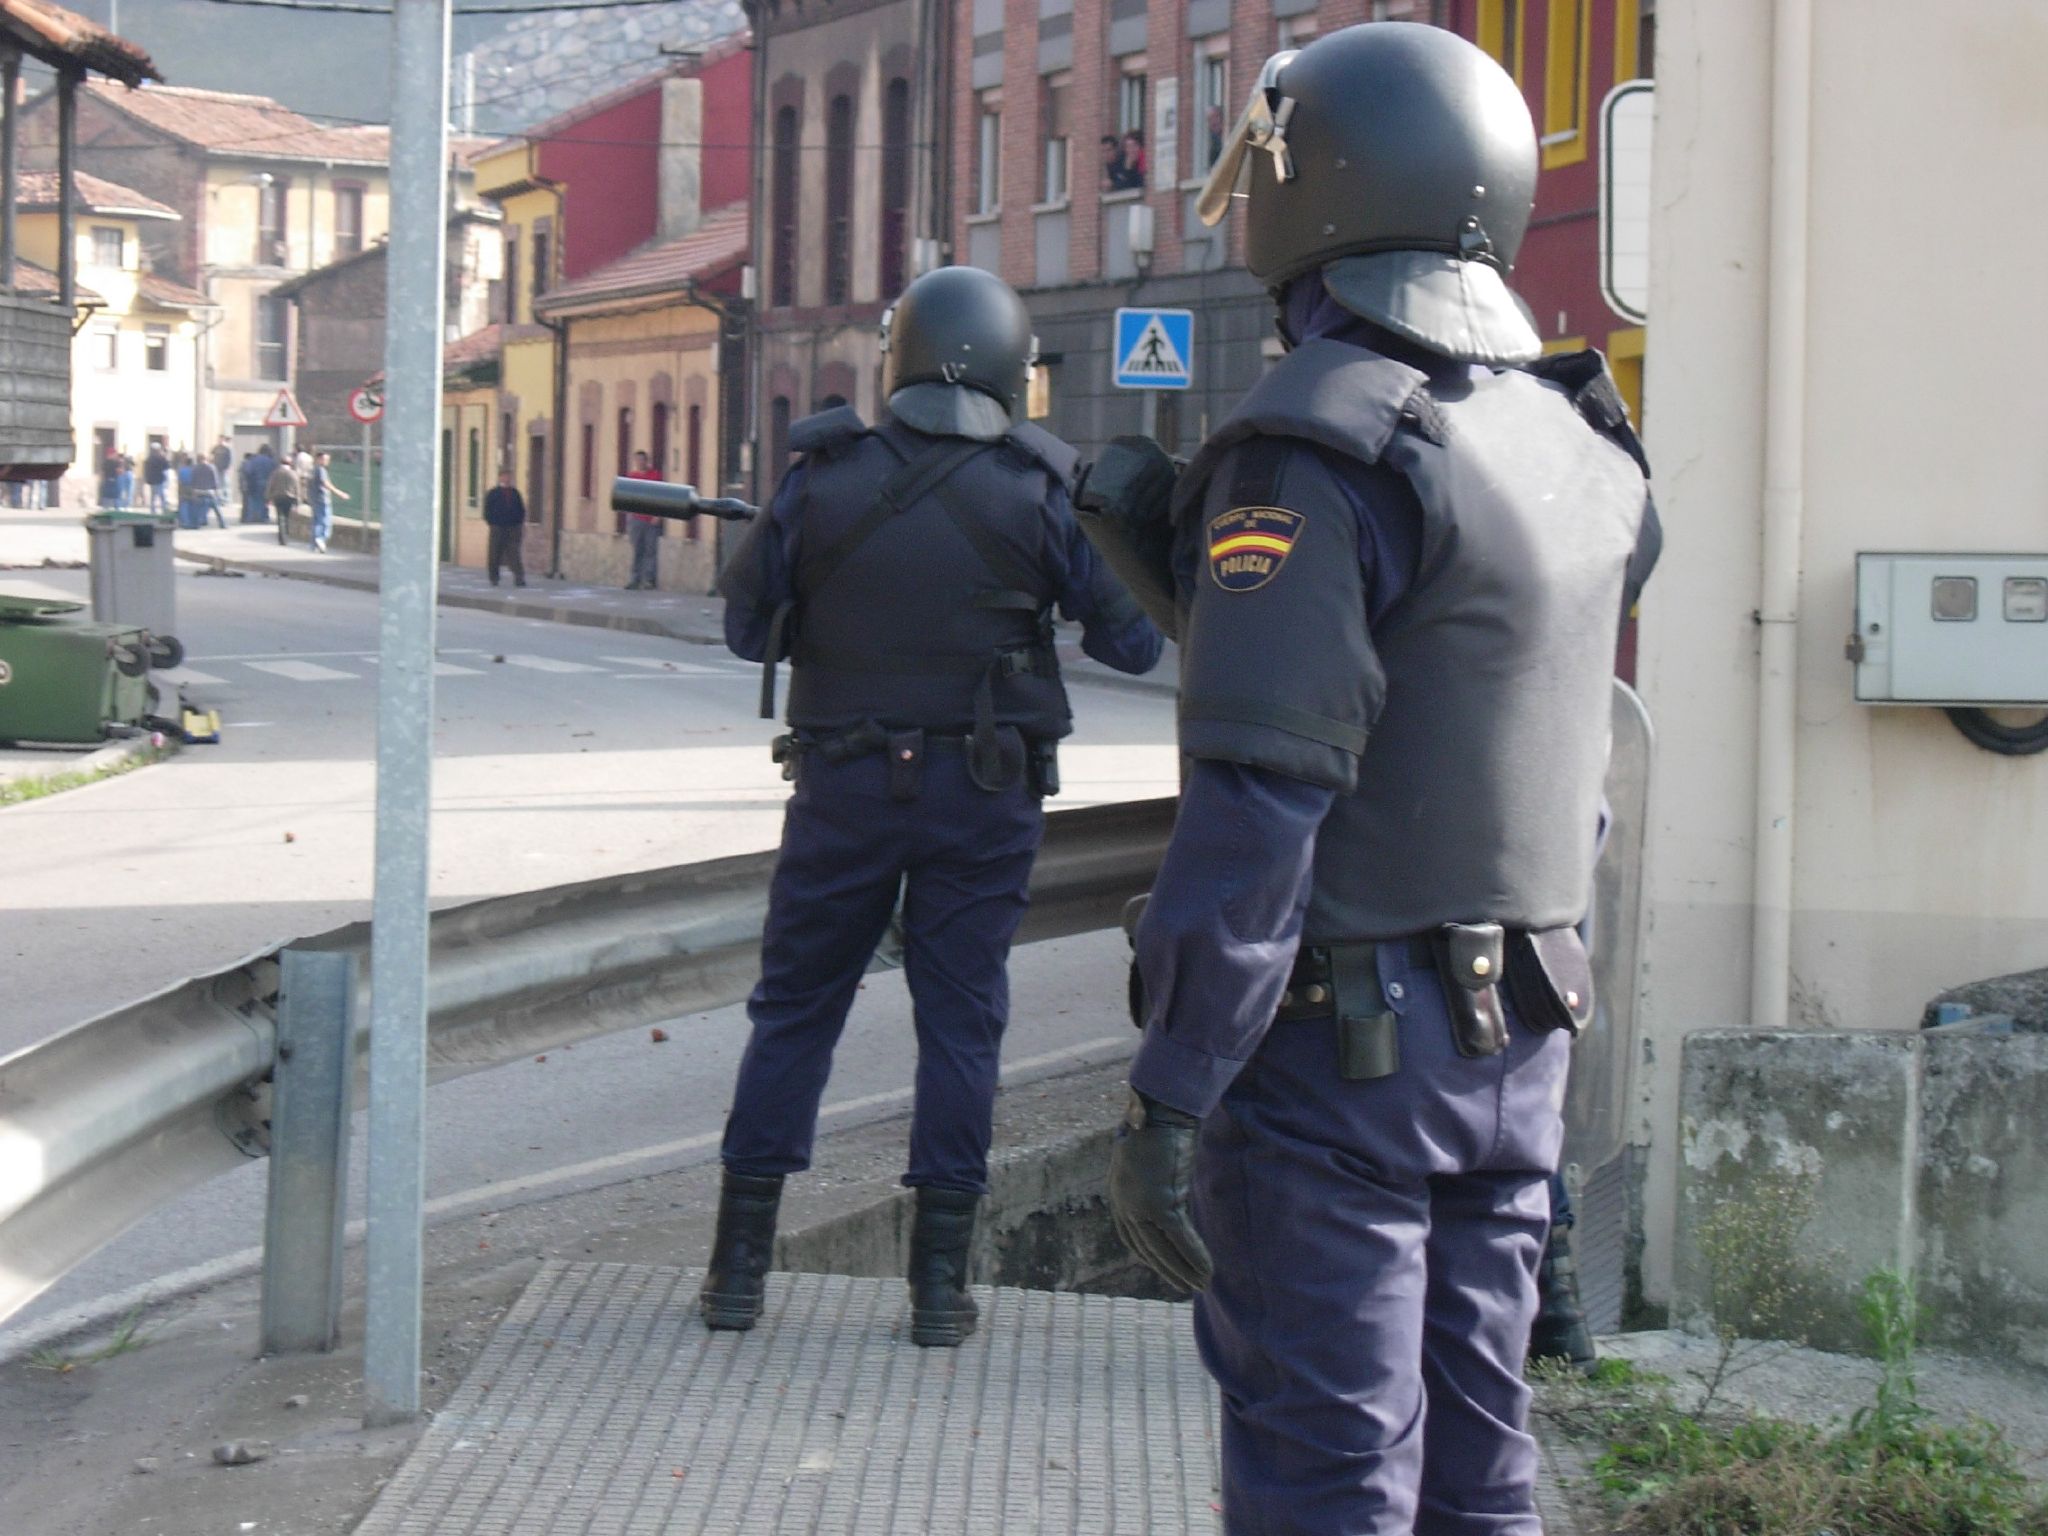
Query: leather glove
{"points": [[1151, 1175]]}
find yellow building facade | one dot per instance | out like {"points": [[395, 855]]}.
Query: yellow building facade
{"points": [[135, 353]]}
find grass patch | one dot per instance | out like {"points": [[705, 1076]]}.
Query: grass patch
{"points": [[1666, 1468], [16, 791], [126, 1340]]}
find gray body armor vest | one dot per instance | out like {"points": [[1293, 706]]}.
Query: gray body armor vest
{"points": [[1479, 784], [938, 614]]}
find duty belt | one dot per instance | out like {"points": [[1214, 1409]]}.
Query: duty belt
{"points": [[1481, 965]]}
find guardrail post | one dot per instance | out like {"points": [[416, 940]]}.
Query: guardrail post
{"points": [[309, 1122]]}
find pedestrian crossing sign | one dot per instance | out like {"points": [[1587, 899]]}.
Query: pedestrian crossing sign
{"points": [[1155, 348]]}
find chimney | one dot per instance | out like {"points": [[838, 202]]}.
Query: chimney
{"points": [[679, 177]]}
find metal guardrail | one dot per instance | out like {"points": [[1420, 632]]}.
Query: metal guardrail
{"points": [[105, 1122]]}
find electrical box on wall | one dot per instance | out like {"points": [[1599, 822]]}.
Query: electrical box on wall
{"points": [[1951, 629]]}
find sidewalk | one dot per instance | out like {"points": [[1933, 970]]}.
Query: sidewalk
{"points": [[694, 618]]}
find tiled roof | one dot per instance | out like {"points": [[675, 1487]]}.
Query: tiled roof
{"points": [[472, 349], [58, 36], [38, 281], [163, 292], [227, 122], [714, 246], [39, 190]]}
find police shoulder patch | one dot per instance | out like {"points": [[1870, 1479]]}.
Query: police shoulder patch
{"points": [[1248, 545]]}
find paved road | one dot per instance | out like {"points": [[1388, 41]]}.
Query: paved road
{"points": [[563, 753]]}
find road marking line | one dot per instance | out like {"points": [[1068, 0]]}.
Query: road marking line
{"points": [[449, 669], [303, 671], [549, 664], [184, 675]]}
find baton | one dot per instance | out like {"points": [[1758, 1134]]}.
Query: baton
{"points": [[657, 498]]}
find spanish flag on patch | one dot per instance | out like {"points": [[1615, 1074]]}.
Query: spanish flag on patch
{"points": [[1248, 545]]}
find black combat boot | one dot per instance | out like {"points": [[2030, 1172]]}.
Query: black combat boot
{"points": [[941, 1311], [1560, 1335], [733, 1285]]}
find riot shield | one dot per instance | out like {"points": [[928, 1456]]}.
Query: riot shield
{"points": [[1597, 1100]]}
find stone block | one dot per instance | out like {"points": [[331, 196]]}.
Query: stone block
{"points": [[1982, 1194], [1764, 1115]]}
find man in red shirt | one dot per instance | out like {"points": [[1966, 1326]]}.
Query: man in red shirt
{"points": [[646, 533]]}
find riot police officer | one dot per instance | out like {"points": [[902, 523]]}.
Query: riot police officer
{"points": [[1400, 567], [909, 572]]}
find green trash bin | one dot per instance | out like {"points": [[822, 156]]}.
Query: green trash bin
{"points": [[133, 577], [64, 680]]}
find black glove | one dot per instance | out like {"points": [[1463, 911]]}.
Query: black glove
{"points": [[1151, 1174]]}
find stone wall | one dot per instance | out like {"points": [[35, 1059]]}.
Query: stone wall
{"points": [[1923, 1152]]}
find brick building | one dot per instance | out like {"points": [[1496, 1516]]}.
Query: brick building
{"points": [[850, 198], [1052, 197]]}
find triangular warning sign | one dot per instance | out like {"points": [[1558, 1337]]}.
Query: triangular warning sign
{"points": [[284, 411], [1153, 354]]}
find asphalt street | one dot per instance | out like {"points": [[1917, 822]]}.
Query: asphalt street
{"points": [[562, 753]]}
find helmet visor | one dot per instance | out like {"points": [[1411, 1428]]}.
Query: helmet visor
{"points": [[1262, 125]]}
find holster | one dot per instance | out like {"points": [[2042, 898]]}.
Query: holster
{"points": [[786, 751], [1470, 959], [1550, 978], [906, 764], [1123, 505], [1042, 761], [1343, 981]]}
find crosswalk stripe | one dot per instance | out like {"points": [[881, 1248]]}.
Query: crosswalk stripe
{"points": [[302, 671], [549, 664], [656, 664], [449, 669], [185, 675]]}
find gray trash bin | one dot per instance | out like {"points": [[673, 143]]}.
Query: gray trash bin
{"points": [[132, 577]]}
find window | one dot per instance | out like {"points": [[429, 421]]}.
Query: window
{"points": [[511, 280], [1130, 102], [623, 444], [1635, 40], [476, 464], [658, 437], [1564, 82], [536, 476], [988, 153], [348, 223], [105, 350], [109, 246], [541, 268], [156, 348], [693, 463], [1055, 161], [1294, 32], [778, 436], [839, 200], [273, 234], [895, 190], [1210, 120], [1500, 32], [270, 331], [505, 460], [586, 481], [782, 196]]}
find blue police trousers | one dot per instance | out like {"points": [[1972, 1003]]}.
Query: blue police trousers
{"points": [[1376, 1246], [962, 858]]}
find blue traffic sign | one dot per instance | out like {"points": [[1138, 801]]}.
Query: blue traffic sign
{"points": [[1155, 348]]}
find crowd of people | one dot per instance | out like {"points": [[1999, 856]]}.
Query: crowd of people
{"points": [[198, 488]]}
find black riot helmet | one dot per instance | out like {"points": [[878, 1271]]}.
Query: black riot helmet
{"points": [[956, 346], [1401, 160]]}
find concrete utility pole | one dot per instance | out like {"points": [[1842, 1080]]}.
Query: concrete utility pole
{"points": [[405, 709]]}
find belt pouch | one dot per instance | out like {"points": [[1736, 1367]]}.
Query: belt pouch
{"points": [[1368, 1032], [1468, 960], [906, 764], [1550, 979]]}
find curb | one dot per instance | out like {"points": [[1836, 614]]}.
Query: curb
{"points": [[112, 755]]}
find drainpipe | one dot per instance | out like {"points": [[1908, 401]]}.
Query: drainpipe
{"points": [[757, 218], [1784, 507]]}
